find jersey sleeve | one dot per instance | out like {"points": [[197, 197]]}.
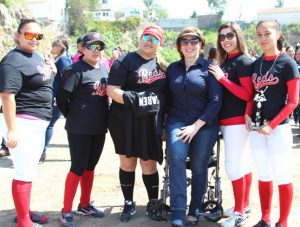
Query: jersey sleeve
{"points": [[290, 70], [117, 74], [244, 67], [10, 79], [70, 80]]}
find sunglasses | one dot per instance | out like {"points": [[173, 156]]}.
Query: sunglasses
{"points": [[154, 40], [229, 36], [31, 36], [193, 42], [94, 47]]}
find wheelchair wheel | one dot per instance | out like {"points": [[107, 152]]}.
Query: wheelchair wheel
{"points": [[213, 211], [156, 210]]}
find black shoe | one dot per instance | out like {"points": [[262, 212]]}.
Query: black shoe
{"points": [[191, 220], [4, 152], [42, 158], [128, 211], [262, 223], [90, 210], [277, 225]]}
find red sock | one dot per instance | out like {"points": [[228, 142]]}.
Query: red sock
{"points": [[21, 191], [71, 185], [239, 194], [248, 182], [285, 202], [265, 195], [86, 184]]}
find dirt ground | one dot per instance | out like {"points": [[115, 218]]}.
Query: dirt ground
{"points": [[48, 188]]}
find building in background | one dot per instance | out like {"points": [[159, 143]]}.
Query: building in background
{"points": [[285, 16], [48, 10]]}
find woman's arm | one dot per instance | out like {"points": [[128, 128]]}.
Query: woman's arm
{"points": [[116, 93], [9, 112]]}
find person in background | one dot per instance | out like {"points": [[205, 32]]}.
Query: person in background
{"points": [[83, 101], [234, 73], [115, 54], [275, 77], [290, 51], [192, 125], [78, 54], [26, 94], [296, 112], [136, 127], [104, 62], [212, 55], [59, 51]]}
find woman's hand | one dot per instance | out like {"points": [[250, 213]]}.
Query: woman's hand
{"points": [[187, 133], [265, 130], [248, 122], [216, 71], [12, 139]]}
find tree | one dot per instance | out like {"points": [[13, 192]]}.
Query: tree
{"points": [[154, 11], [217, 5], [194, 15], [280, 3], [79, 13]]}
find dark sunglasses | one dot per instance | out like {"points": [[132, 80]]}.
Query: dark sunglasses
{"points": [[31, 36], [154, 40], [229, 36], [94, 47], [193, 42]]}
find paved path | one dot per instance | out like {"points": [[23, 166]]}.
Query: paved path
{"points": [[47, 195]]}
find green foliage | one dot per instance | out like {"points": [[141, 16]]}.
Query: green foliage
{"points": [[280, 3], [7, 3], [217, 5], [194, 15]]}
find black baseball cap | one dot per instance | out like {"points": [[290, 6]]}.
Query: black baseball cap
{"points": [[92, 37], [79, 39]]}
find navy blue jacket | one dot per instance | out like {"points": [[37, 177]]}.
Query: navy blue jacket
{"points": [[195, 93]]}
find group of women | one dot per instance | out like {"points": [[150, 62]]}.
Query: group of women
{"points": [[188, 100]]}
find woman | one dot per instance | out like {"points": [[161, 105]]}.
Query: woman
{"points": [[296, 112], [234, 73], [192, 127], [26, 94], [82, 100], [137, 85], [275, 77], [290, 51], [60, 48]]}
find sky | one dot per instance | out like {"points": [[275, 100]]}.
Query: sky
{"points": [[235, 9]]}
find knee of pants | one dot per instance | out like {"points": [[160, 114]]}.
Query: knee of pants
{"points": [[233, 170], [78, 170]]}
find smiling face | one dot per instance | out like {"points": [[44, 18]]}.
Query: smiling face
{"points": [[228, 40], [148, 47], [26, 44], [190, 46]]}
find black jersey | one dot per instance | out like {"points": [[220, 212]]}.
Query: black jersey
{"points": [[88, 102], [30, 79], [269, 79], [234, 69], [132, 135]]}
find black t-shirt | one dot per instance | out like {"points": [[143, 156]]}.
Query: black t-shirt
{"points": [[88, 102], [234, 69], [270, 86], [133, 73], [30, 79]]}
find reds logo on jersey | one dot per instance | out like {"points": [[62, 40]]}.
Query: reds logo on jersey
{"points": [[147, 77], [100, 89], [265, 80]]}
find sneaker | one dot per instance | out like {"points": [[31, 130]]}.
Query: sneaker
{"points": [[36, 217], [89, 210], [177, 223], [4, 152], [277, 225], [66, 219], [42, 158], [262, 223], [235, 220], [128, 211], [230, 212]]}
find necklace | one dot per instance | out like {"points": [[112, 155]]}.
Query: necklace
{"points": [[262, 59]]}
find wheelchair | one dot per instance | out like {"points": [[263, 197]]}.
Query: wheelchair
{"points": [[212, 210]]}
